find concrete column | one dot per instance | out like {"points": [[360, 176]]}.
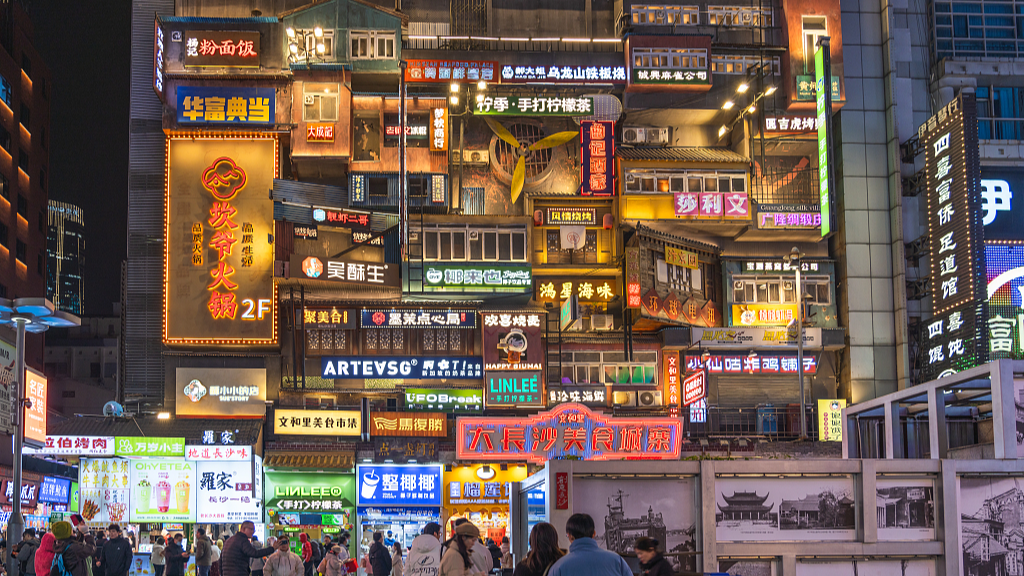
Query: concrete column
{"points": [[947, 521], [708, 538], [788, 565], [938, 443], [868, 495], [1004, 410]]}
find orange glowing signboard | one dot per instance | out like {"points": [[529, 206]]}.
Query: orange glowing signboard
{"points": [[35, 415], [219, 232], [670, 363], [320, 132]]}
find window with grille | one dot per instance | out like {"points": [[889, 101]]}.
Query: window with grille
{"points": [[665, 15], [327, 40], [739, 64], [475, 244], [671, 181], [319, 102], [779, 290], [609, 368], [670, 58], [739, 16], [372, 44], [384, 341]]}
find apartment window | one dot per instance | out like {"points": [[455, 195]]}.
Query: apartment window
{"points": [[26, 65], [5, 139], [738, 16], [1000, 109], [23, 206], [42, 220], [378, 186], [23, 160], [21, 251], [474, 244], [94, 370], [739, 64], [42, 85], [779, 290], [609, 368], [5, 189], [978, 29], [312, 41], [39, 264], [665, 15], [672, 181], [428, 187], [372, 44], [42, 178], [320, 102], [5, 91], [814, 27], [26, 116], [3, 235], [670, 58]]}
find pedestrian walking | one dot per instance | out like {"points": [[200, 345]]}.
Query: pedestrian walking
{"points": [[307, 554], [332, 564], [379, 557], [506, 554], [27, 552], [495, 553], [283, 562], [238, 550], [71, 551], [215, 550], [585, 556], [425, 552], [44, 554], [203, 550], [256, 565], [652, 563], [116, 557], [156, 557], [457, 560], [544, 551], [396, 559], [175, 557]]}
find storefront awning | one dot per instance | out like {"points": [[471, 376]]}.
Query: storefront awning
{"points": [[682, 154], [316, 460]]}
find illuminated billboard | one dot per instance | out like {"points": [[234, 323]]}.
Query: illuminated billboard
{"points": [[219, 241]]}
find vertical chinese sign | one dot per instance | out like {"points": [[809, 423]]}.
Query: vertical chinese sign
{"points": [[830, 420], [35, 414], [670, 364], [633, 277], [219, 251], [597, 138], [439, 129], [954, 337], [823, 108]]}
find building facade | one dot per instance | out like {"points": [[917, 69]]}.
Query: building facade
{"points": [[65, 253]]}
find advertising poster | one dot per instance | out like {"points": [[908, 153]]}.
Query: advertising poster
{"points": [[399, 485], [514, 358], [627, 508], [163, 490], [785, 509], [227, 493], [990, 510], [73, 499], [221, 392], [905, 509], [103, 490]]}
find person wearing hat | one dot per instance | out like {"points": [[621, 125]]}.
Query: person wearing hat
{"points": [[71, 551], [458, 560], [332, 564]]}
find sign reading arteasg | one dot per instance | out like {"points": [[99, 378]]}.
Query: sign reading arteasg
{"points": [[221, 392], [219, 250], [404, 367], [399, 485], [568, 431], [234, 105], [227, 48], [563, 74], [318, 422]]}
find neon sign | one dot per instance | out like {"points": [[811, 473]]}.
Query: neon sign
{"points": [[222, 48], [567, 431], [564, 74], [597, 138]]}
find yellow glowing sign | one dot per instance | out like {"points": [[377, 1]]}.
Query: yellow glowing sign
{"points": [[763, 314], [830, 420]]}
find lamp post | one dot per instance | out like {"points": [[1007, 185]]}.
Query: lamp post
{"points": [[298, 44], [34, 315], [793, 259]]}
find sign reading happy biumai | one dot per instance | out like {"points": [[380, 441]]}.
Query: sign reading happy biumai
{"points": [[218, 249]]}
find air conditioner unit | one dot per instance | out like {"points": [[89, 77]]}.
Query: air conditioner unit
{"points": [[624, 399], [787, 285], [602, 322], [472, 157], [309, 99], [648, 398], [737, 285], [634, 135], [474, 234], [657, 135]]}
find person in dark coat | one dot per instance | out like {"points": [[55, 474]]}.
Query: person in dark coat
{"points": [[175, 557], [495, 552], [116, 556], [238, 550], [27, 552], [72, 550], [544, 551], [652, 563], [380, 558]]}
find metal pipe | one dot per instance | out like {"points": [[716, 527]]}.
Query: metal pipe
{"points": [[16, 525], [800, 351]]}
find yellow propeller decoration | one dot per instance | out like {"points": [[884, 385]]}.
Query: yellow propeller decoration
{"points": [[519, 174]]}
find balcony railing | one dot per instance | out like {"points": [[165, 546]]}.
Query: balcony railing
{"points": [[772, 422], [959, 433], [775, 185], [1001, 128]]}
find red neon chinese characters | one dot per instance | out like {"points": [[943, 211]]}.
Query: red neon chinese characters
{"points": [[545, 438], [515, 437], [658, 439], [574, 438], [223, 242], [242, 48], [222, 305], [220, 276], [630, 439], [603, 437], [482, 433], [220, 215], [224, 178]]}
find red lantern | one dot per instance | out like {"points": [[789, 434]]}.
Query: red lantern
{"points": [[609, 221], [538, 218]]}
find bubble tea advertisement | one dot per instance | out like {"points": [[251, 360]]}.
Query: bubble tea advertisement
{"points": [[163, 490]]}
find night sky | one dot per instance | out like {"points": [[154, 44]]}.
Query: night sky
{"points": [[87, 47]]}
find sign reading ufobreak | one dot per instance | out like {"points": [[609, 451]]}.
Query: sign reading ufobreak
{"points": [[219, 250], [568, 431], [444, 400]]}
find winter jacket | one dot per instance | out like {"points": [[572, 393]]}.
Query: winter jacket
{"points": [[174, 561], [506, 557], [332, 565], [44, 554], [116, 557], [452, 564], [156, 558], [380, 560], [586, 557], [214, 551], [27, 554], [396, 564], [75, 554], [483, 562], [234, 558], [286, 563], [424, 557], [658, 566], [202, 552]]}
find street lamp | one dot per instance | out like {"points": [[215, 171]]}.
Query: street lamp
{"points": [[34, 315], [796, 330], [306, 45]]}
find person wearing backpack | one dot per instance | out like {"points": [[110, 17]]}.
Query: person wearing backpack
{"points": [[71, 553]]}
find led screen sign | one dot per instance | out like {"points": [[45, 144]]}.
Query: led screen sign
{"points": [[513, 358], [569, 431], [1002, 195], [597, 140], [472, 277], [218, 242], [403, 367], [554, 74], [220, 392], [233, 105], [222, 48], [398, 485], [448, 70], [823, 109], [534, 106]]}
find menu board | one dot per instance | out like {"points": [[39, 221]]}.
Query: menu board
{"points": [[164, 490], [103, 490]]}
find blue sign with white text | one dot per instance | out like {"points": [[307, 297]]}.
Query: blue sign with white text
{"points": [[55, 490], [398, 485], [207, 105]]}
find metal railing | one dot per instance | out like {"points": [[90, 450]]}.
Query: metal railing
{"points": [[916, 441], [774, 185], [1001, 128], [772, 422]]}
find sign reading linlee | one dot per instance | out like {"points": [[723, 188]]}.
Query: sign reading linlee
{"points": [[513, 358], [222, 48], [407, 424], [341, 270], [405, 367], [514, 389], [318, 422], [568, 431]]}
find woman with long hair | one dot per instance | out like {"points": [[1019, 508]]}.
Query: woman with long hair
{"points": [[652, 563], [457, 560], [544, 551]]}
